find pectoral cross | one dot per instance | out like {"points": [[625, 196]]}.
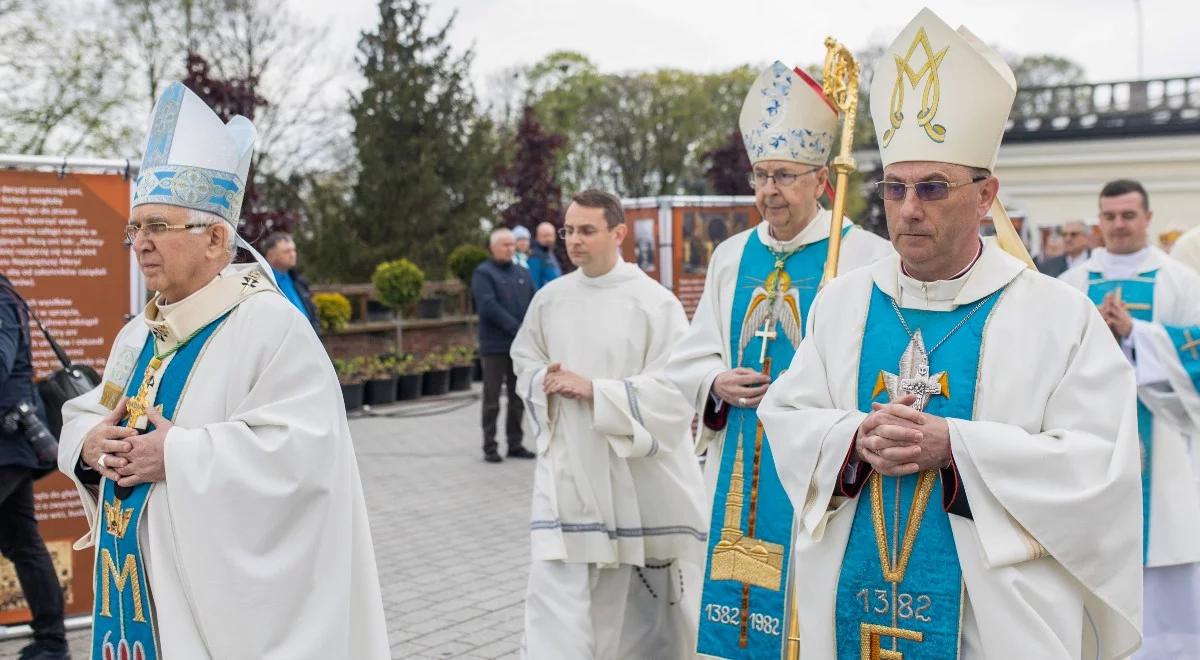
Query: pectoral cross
{"points": [[1190, 344], [767, 333], [139, 405]]}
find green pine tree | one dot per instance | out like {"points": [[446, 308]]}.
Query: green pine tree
{"points": [[427, 156]]}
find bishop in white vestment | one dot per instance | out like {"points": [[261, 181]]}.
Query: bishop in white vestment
{"points": [[757, 292], [617, 525], [215, 462], [1152, 304], [957, 431]]}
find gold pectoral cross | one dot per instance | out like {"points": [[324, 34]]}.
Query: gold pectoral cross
{"points": [[139, 405]]}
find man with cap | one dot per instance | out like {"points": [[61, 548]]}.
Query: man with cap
{"points": [[1150, 304], [214, 461], [750, 318], [957, 431]]}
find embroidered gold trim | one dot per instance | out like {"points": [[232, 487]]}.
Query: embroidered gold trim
{"points": [[894, 572], [931, 95]]}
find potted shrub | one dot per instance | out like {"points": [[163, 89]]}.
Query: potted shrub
{"points": [[463, 261], [349, 374], [381, 381], [398, 283], [333, 311], [460, 358], [437, 375], [409, 379]]}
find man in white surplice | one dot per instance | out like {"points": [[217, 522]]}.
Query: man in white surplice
{"points": [[1152, 305], [215, 462], [617, 526], [957, 431]]}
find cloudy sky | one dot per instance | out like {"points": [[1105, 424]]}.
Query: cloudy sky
{"points": [[705, 35]]}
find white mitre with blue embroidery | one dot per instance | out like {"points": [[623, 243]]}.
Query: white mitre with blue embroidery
{"points": [[786, 117], [940, 95], [193, 159]]}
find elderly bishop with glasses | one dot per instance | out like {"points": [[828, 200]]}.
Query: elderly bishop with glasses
{"points": [[957, 431], [214, 461], [750, 319]]}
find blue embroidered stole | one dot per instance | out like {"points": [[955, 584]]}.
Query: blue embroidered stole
{"points": [[744, 600], [123, 624], [1137, 293], [917, 613]]}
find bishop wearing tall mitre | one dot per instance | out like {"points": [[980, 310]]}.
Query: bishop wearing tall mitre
{"points": [[957, 432], [757, 292]]}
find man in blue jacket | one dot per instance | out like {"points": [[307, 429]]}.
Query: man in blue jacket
{"points": [[20, 542], [543, 265], [502, 291]]}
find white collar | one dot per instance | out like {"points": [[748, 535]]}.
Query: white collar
{"points": [[993, 270], [817, 229]]}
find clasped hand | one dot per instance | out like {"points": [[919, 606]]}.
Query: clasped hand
{"points": [[566, 383], [130, 457], [897, 439], [1116, 316]]}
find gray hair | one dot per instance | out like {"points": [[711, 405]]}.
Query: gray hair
{"points": [[206, 220], [498, 234]]}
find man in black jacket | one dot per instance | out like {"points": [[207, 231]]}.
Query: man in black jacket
{"points": [[502, 291], [20, 542]]}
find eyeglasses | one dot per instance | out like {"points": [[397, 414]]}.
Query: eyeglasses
{"points": [[586, 231], [1071, 234], [154, 230], [927, 191], [782, 178]]}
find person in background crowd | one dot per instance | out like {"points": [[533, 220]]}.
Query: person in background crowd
{"points": [[1187, 249], [20, 542], [521, 255], [543, 265], [280, 251], [1076, 244], [502, 292]]}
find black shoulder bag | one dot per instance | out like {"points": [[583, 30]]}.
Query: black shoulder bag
{"points": [[62, 385]]}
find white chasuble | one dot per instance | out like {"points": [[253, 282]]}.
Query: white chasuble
{"points": [[616, 481], [257, 544], [704, 350], [1044, 505], [1162, 297]]}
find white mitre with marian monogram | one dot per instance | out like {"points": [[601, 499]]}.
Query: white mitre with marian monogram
{"points": [[786, 117], [193, 159], [940, 95]]}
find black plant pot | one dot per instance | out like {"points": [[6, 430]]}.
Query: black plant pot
{"points": [[436, 382], [408, 387], [352, 394], [429, 308], [477, 370], [460, 378], [381, 391]]}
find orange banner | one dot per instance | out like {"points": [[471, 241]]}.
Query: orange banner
{"points": [[62, 245]]}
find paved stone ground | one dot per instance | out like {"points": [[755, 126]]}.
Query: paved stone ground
{"points": [[450, 534]]}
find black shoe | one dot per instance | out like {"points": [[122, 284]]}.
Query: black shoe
{"points": [[42, 651], [492, 457], [520, 452]]}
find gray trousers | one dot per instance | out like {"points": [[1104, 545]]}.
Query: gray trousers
{"points": [[497, 371]]}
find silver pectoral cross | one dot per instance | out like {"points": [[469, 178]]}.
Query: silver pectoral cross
{"points": [[914, 377], [767, 333]]}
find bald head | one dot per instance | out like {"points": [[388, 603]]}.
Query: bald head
{"points": [[545, 235]]}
